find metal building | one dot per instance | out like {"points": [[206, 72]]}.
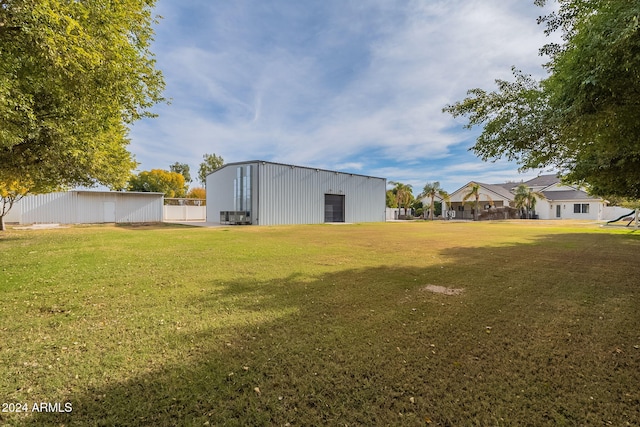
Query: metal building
{"points": [[88, 207], [265, 193]]}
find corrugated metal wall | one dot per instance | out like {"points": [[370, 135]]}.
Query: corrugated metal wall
{"points": [[139, 208], [98, 207], [91, 207], [295, 195], [285, 194], [59, 208], [221, 192]]}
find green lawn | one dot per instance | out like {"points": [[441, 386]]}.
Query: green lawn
{"points": [[310, 325]]}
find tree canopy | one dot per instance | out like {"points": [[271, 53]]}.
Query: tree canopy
{"points": [[211, 162], [183, 169], [525, 199], [197, 193], [160, 181], [584, 117], [431, 190], [73, 76], [403, 194]]}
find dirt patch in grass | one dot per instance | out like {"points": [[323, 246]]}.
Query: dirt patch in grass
{"points": [[442, 290], [40, 227]]}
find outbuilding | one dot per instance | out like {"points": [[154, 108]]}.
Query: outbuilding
{"points": [[265, 193], [88, 207]]}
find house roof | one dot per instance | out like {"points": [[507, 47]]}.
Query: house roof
{"points": [[509, 186], [542, 181], [489, 188], [567, 195], [498, 189]]}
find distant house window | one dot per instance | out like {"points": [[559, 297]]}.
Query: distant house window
{"points": [[581, 208], [461, 208]]}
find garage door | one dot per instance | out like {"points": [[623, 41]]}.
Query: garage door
{"points": [[333, 208]]}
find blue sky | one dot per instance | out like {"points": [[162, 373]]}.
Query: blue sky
{"points": [[355, 86]]}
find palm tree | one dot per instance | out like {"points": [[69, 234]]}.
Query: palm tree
{"points": [[474, 192], [403, 193], [525, 198], [431, 190]]}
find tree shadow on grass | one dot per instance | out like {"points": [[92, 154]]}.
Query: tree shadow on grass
{"points": [[543, 334]]}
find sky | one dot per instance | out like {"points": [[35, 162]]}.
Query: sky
{"points": [[348, 85]]}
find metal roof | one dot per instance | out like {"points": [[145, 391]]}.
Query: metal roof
{"points": [[292, 166], [144, 193]]}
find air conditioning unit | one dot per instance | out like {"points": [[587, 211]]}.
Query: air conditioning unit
{"points": [[235, 217]]}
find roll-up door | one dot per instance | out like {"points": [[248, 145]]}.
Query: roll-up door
{"points": [[333, 208]]}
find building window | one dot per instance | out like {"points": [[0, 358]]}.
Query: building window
{"points": [[461, 208], [581, 208]]}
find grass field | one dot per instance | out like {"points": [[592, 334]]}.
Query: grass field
{"points": [[311, 325]]}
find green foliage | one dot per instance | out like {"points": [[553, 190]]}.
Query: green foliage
{"points": [[73, 76], [584, 118], [417, 207], [525, 198], [159, 181], [211, 162], [391, 199], [183, 169], [437, 208], [403, 194], [431, 190]]}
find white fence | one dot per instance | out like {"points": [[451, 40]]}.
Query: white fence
{"points": [[392, 214], [612, 212], [185, 213]]}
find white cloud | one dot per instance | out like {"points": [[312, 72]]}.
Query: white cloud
{"points": [[363, 87]]}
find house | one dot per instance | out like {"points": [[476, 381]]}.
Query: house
{"points": [[266, 193], [560, 201], [87, 207], [494, 199], [426, 202], [563, 201]]}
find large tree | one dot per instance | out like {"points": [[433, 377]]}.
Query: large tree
{"points": [[73, 76], [211, 162], [160, 181], [584, 118], [183, 169], [197, 193], [403, 194]]}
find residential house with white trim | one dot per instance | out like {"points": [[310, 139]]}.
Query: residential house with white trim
{"points": [[494, 201], [497, 201]]}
